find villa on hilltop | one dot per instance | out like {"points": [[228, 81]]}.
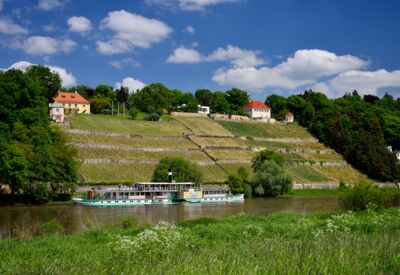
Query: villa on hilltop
{"points": [[73, 103], [259, 111]]}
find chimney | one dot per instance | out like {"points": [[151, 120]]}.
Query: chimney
{"points": [[76, 92], [170, 175]]}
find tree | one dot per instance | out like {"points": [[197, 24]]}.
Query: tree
{"points": [[106, 91], [278, 105], [270, 180], [122, 94], [99, 103], [205, 97], [265, 155], [237, 99], [13, 167], [85, 91], [33, 154], [239, 183], [49, 81], [182, 170], [371, 99], [133, 112], [220, 104]]}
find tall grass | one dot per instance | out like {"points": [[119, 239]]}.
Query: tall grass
{"points": [[283, 243]]}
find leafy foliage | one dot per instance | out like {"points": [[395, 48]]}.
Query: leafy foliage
{"points": [[239, 182], [259, 159], [33, 154], [270, 180], [359, 129], [183, 170], [366, 195]]}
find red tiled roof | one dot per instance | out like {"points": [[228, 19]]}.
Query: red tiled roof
{"points": [[256, 104], [64, 97], [289, 114]]}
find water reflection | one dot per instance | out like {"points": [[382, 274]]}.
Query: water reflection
{"points": [[76, 218]]}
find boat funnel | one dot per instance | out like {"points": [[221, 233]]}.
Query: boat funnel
{"points": [[169, 175]]}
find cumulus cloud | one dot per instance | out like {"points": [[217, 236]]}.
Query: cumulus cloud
{"points": [[304, 67], [120, 63], [51, 4], [190, 29], [129, 31], [68, 79], [132, 84], [188, 5], [365, 82], [79, 24], [43, 45], [184, 55], [9, 27], [236, 56]]}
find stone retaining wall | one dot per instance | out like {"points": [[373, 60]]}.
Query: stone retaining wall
{"points": [[110, 134], [131, 148], [188, 114], [138, 161], [317, 163]]}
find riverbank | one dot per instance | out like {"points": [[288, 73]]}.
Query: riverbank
{"points": [[340, 242]]}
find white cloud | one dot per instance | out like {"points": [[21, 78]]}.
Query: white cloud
{"points": [[305, 67], [188, 5], [51, 4], [9, 27], [236, 56], [43, 45], [365, 82], [118, 64], [190, 29], [68, 79], [184, 55], [132, 84], [49, 28], [79, 24], [130, 31]]}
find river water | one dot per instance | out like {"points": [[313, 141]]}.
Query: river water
{"points": [[75, 218]]}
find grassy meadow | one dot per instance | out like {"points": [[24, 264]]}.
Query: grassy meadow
{"points": [[203, 126], [282, 243]]}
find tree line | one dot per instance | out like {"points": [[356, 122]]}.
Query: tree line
{"points": [[360, 128], [35, 161], [157, 98]]}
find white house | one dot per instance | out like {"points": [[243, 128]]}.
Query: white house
{"points": [[203, 110], [289, 117], [258, 110]]}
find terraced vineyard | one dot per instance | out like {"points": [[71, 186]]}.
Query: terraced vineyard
{"points": [[306, 174], [120, 150]]}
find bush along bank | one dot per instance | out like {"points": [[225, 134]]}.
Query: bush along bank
{"points": [[342, 242]]}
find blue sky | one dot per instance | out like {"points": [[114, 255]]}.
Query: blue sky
{"points": [[261, 46]]}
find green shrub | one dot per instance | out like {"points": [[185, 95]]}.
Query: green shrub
{"points": [[152, 117], [259, 159], [133, 112], [365, 195], [270, 180]]}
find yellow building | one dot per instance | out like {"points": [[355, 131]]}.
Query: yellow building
{"points": [[73, 103]]}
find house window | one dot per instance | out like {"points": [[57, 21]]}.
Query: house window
{"points": [[57, 110], [83, 105], [76, 105]]}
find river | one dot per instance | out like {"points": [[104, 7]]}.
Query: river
{"points": [[74, 218]]}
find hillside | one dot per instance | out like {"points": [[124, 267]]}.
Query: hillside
{"points": [[121, 150]]}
